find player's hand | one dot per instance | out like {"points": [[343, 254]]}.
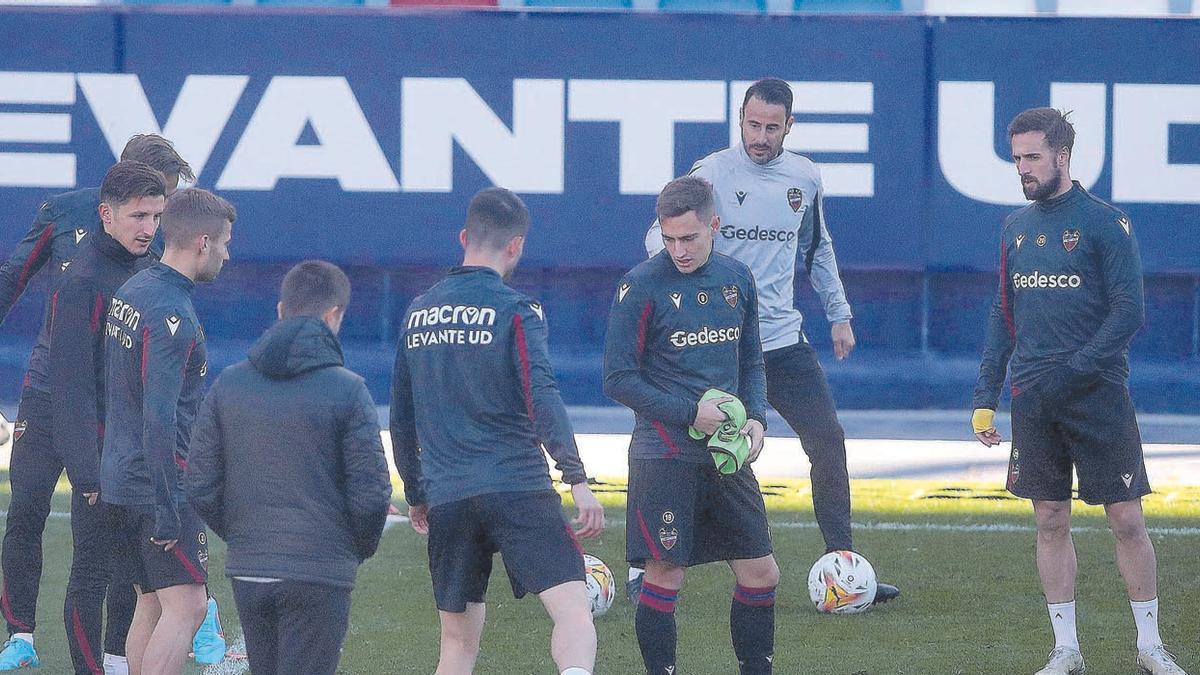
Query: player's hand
{"points": [[843, 339], [754, 431], [709, 415], [92, 497], [590, 521], [167, 544], [984, 425], [419, 517]]}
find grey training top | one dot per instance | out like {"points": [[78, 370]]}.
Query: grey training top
{"points": [[771, 218]]}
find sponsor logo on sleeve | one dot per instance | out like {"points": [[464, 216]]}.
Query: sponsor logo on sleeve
{"points": [[537, 309], [1125, 225], [63, 267], [1070, 239], [795, 197], [80, 234]]}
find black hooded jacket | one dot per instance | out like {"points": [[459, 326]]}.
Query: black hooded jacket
{"points": [[286, 463]]}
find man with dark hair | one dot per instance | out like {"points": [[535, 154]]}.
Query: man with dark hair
{"points": [[60, 422], [293, 433], [63, 223], [156, 362], [771, 205], [682, 323], [1069, 301], [474, 401]]}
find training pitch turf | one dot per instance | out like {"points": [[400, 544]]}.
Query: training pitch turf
{"points": [[962, 553]]}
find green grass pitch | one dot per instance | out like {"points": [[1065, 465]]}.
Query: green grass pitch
{"points": [[962, 553]]}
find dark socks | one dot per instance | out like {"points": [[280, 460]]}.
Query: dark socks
{"points": [[655, 624], [752, 626]]}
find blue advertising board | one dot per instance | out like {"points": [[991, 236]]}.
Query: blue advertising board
{"points": [[360, 137]]}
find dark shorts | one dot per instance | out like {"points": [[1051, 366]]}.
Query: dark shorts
{"points": [[1096, 433], [527, 528], [688, 514], [147, 565]]}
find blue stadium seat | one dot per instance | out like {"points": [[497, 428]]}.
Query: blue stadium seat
{"points": [[584, 4], [712, 5], [848, 6]]}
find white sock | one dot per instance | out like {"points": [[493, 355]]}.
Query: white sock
{"points": [[28, 637], [1145, 616], [634, 573], [1062, 620], [575, 671], [115, 665]]}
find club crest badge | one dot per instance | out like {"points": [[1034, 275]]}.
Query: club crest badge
{"points": [[795, 198], [19, 430], [1040, 241], [1070, 239], [730, 294], [1014, 469], [668, 537]]}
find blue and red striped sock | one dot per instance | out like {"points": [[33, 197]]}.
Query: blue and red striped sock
{"points": [[752, 626], [655, 626]]}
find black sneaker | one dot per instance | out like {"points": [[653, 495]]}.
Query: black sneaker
{"points": [[885, 593], [633, 588]]}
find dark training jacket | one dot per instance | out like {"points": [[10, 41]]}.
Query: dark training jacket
{"points": [[73, 336], [1070, 294], [155, 363], [64, 223], [473, 395], [672, 336], [286, 463]]}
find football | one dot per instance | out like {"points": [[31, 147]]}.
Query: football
{"points": [[601, 586], [842, 582]]}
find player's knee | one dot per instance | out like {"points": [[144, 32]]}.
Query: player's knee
{"points": [[664, 575], [1127, 524], [1053, 519], [761, 573]]}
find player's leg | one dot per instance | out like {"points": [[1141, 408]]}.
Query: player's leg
{"points": [[1039, 469], [34, 470], [119, 603], [260, 623], [1107, 449], [177, 578], [573, 640], [733, 526], [660, 531], [182, 611], [312, 625], [798, 390], [146, 613], [461, 632], [654, 620], [460, 564], [86, 583]]}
